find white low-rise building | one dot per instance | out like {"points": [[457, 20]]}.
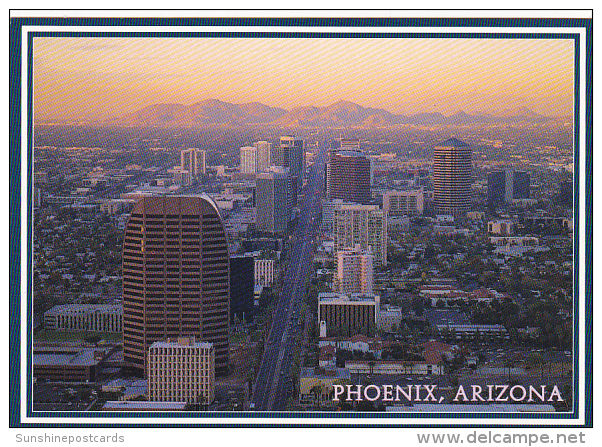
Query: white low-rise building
{"points": [[516, 245], [181, 370], [471, 330], [358, 342], [442, 292], [264, 272], [85, 317], [433, 363], [501, 227]]}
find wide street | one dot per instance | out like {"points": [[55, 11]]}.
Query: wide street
{"points": [[274, 384]]}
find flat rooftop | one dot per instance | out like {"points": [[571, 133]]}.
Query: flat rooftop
{"points": [[68, 356], [115, 405], [341, 298], [85, 308]]}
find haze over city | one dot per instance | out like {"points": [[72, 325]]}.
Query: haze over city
{"points": [[105, 78], [236, 224]]}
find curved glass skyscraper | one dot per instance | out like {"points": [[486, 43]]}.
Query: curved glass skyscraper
{"points": [[175, 277]]}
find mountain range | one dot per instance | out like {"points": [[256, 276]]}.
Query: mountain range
{"points": [[342, 113]]}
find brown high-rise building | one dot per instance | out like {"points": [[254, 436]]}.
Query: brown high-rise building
{"points": [[348, 177], [452, 177], [175, 277]]}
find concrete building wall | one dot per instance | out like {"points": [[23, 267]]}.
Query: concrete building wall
{"points": [[181, 371], [363, 225]]}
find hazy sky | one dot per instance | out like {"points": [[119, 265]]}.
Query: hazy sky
{"points": [[105, 77]]}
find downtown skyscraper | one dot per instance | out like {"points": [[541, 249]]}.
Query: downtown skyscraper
{"points": [[363, 226], [248, 160], [452, 177], [276, 194], [192, 164], [175, 277], [506, 186], [348, 176], [290, 153], [354, 271], [263, 155]]}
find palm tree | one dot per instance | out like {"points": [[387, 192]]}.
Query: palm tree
{"points": [[317, 390], [407, 364], [371, 364], [509, 363]]}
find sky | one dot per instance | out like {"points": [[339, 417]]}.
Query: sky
{"points": [[99, 78]]}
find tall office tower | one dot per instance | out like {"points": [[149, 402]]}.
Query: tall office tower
{"points": [[242, 287], [566, 193], [348, 177], [403, 203], [264, 155], [354, 271], [175, 277], [505, 186], [275, 196], [181, 370], [521, 185], [452, 177], [248, 160], [290, 153], [496, 188], [328, 207], [363, 225], [192, 161]]}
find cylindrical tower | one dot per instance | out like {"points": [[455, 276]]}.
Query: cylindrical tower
{"points": [[452, 177]]}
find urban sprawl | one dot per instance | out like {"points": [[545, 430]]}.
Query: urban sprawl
{"points": [[303, 269]]}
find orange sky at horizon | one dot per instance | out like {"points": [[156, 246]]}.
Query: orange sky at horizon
{"points": [[99, 78]]}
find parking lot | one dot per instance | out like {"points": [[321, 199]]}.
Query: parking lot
{"points": [[62, 397]]}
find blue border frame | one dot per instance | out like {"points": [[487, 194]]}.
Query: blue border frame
{"points": [[16, 25]]}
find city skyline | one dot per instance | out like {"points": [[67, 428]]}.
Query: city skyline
{"points": [[103, 78]]}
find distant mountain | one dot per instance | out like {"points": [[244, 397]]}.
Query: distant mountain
{"points": [[210, 111], [342, 113], [523, 114], [339, 114]]}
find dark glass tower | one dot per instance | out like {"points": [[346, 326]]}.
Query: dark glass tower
{"points": [[496, 188], [242, 287], [505, 186], [348, 177], [290, 153]]}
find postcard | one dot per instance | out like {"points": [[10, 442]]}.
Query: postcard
{"points": [[301, 220]]}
